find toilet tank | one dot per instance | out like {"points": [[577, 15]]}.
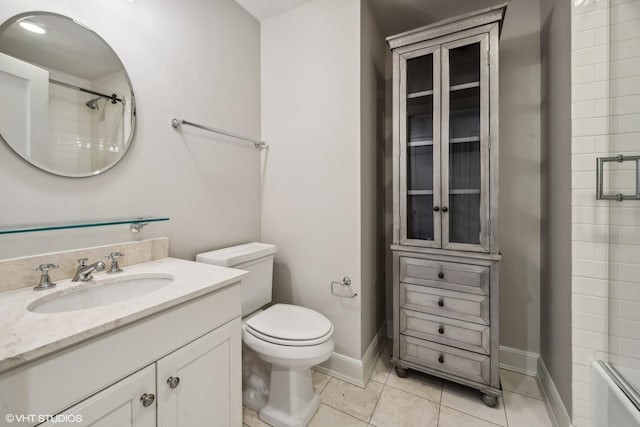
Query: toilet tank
{"points": [[257, 259]]}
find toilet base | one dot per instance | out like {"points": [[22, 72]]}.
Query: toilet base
{"points": [[292, 400]]}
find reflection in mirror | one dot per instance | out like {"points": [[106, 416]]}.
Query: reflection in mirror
{"points": [[67, 105]]}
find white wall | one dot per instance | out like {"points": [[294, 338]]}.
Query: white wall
{"points": [[311, 179], [520, 176], [606, 234], [197, 59], [373, 53]]}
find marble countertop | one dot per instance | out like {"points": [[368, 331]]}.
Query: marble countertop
{"points": [[26, 336]]}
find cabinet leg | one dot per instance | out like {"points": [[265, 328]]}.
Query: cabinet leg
{"points": [[401, 372], [489, 400]]}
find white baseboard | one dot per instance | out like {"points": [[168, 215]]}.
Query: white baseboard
{"points": [[352, 370], [529, 363], [559, 415], [343, 367], [373, 352], [524, 362]]}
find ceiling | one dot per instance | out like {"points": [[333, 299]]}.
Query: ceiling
{"points": [[265, 9], [394, 16]]}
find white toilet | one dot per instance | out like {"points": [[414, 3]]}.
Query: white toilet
{"points": [[289, 337]]}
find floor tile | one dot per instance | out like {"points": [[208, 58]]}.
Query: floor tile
{"points": [[382, 369], [250, 418], [356, 401], [320, 380], [452, 418], [525, 411], [417, 383], [330, 417], [519, 383], [469, 401], [397, 408]]}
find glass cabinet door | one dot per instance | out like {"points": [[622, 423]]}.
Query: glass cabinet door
{"points": [[465, 139], [420, 148]]}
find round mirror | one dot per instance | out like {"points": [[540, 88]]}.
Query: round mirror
{"points": [[67, 105]]}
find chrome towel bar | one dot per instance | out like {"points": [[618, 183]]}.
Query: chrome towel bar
{"points": [[600, 190], [176, 123]]}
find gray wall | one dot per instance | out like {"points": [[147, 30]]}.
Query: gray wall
{"points": [[373, 53], [520, 177], [197, 59], [555, 289]]}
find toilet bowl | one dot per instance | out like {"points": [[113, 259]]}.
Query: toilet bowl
{"points": [[290, 338]]}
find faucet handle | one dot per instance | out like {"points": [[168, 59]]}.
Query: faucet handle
{"points": [[82, 262], [45, 280], [114, 255], [44, 268], [115, 268]]}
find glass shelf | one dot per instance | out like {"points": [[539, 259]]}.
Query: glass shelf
{"points": [[79, 224]]}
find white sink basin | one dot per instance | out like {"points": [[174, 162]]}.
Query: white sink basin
{"points": [[100, 293]]}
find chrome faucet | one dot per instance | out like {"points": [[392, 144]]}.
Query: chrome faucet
{"points": [[85, 272]]}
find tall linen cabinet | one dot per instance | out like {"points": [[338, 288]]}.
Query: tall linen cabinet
{"points": [[445, 200]]}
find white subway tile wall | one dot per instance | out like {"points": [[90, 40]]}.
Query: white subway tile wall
{"points": [[606, 235]]}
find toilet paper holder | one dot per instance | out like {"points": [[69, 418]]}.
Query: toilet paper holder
{"points": [[346, 282]]}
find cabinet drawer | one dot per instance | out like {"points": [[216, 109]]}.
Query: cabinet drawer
{"points": [[456, 305], [472, 366], [443, 330], [446, 275]]}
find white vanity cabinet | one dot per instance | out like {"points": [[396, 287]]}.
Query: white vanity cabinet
{"points": [[200, 384], [445, 202], [187, 356], [196, 385], [119, 405]]}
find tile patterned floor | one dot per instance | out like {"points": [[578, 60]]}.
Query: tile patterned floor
{"points": [[420, 400]]}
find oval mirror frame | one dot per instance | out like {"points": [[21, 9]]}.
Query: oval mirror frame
{"points": [[92, 155]]}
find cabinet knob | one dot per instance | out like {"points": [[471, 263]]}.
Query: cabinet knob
{"points": [[441, 275], [147, 399], [441, 358], [441, 329], [436, 208], [440, 303], [173, 382], [445, 209]]}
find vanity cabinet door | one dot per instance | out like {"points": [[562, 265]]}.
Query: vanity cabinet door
{"points": [[200, 383], [121, 404]]}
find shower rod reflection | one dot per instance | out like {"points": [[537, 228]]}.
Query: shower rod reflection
{"points": [[113, 97], [176, 123]]}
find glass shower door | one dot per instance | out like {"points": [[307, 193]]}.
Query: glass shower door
{"points": [[620, 180]]}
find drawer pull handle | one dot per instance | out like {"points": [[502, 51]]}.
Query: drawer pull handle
{"points": [[445, 209], [436, 208], [147, 399], [441, 330], [441, 303], [441, 275], [173, 382], [441, 358]]}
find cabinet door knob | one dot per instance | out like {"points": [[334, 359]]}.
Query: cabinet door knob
{"points": [[436, 208], [441, 275], [173, 382], [441, 358], [441, 329], [445, 209], [147, 399], [441, 303]]}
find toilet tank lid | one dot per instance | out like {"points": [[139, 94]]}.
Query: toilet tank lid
{"points": [[235, 255]]}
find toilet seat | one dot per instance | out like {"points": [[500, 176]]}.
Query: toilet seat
{"points": [[290, 325]]}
